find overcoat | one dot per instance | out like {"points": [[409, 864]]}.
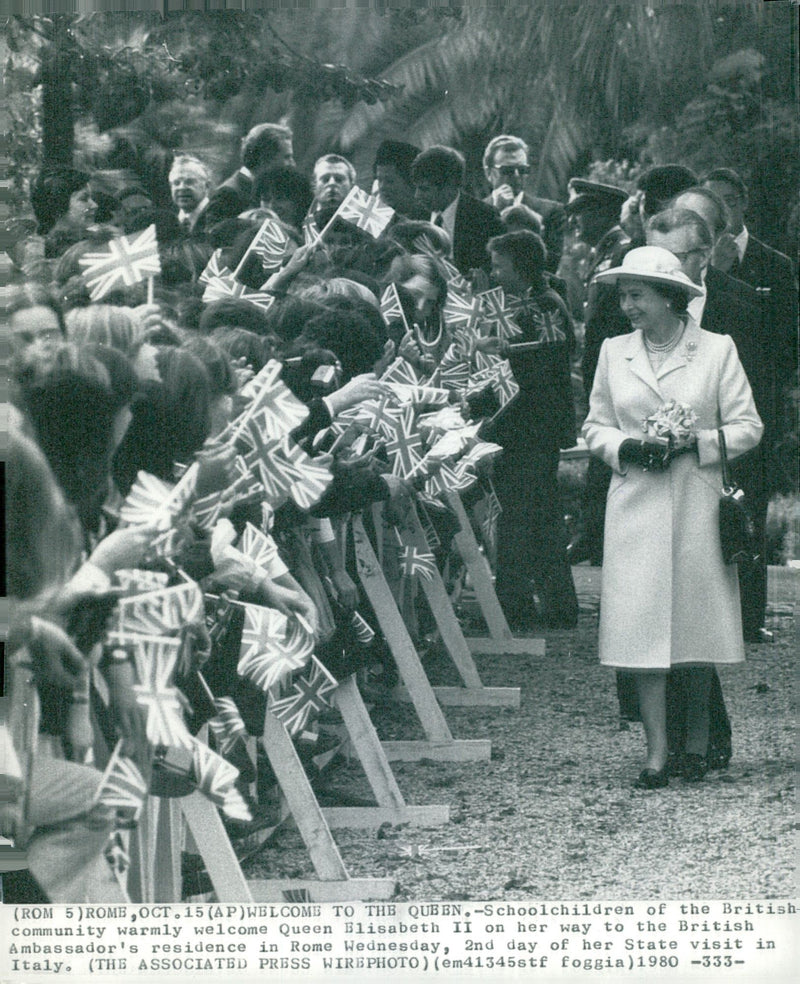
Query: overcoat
{"points": [[667, 597]]}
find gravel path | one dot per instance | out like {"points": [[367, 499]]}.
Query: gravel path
{"points": [[552, 815]]}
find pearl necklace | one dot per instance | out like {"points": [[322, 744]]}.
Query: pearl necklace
{"points": [[661, 348]]}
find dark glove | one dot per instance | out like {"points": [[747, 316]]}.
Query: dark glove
{"points": [[647, 455]]}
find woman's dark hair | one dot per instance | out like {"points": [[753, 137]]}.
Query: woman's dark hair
{"points": [[42, 534], [353, 330], [122, 379], [51, 193], [233, 314], [171, 419], [70, 398], [526, 251], [288, 183]]}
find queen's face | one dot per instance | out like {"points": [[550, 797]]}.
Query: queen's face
{"points": [[82, 207], [644, 307]]}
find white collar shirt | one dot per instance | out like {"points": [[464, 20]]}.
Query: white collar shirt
{"points": [[741, 242], [448, 222], [697, 305], [193, 216]]}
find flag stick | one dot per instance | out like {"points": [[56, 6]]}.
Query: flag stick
{"points": [[149, 290]]}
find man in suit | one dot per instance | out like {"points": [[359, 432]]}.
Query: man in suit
{"points": [[189, 183], [438, 176], [739, 253], [266, 145], [506, 164], [732, 307]]}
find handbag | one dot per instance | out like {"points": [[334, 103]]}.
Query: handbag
{"points": [[736, 530]]}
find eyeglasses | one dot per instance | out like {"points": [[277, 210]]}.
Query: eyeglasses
{"points": [[683, 257], [509, 169]]}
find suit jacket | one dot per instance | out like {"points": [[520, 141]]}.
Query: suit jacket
{"points": [[554, 225], [772, 276], [227, 200], [475, 224]]}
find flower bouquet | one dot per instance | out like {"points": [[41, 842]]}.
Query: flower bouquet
{"points": [[674, 425]]}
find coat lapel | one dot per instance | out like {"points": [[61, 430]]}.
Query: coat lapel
{"points": [[638, 363], [683, 354]]}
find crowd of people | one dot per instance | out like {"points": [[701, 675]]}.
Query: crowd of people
{"points": [[289, 361]]}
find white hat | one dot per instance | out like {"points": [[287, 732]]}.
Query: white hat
{"points": [[651, 263]]}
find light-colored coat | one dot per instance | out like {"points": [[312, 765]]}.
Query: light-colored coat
{"points": [[667, 596]]}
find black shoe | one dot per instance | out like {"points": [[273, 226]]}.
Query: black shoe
{"points": [[650, 779], [674, 764], [694, 768], [718, 758], [759, 636]]}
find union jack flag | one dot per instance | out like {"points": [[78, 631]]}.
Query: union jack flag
{"points": [[504, 385], [155, 662], [227, 725], [452, 371], [275, 410], [270, 648], [481, 451], [548, 327], [391, 308], [154, 501], [402, 372], [307, 700], [462, 311], [206, 511], [415, 562], [310, 231], [134, 581], [404, 447], [221, 285], [455, 280], [267, 474], [214, 775], [122, 786], [365, 212], [496, 313], [125, 261], [428, 528], [159, 613], [376, 415], [309, 478], [420, 396], [363, 630], [259, 547], [271, 245]]}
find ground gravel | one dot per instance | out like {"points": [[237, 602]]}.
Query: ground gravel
{"points": [[552, 814]]}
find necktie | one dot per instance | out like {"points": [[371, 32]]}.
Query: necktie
{"points": [[186, 225]]}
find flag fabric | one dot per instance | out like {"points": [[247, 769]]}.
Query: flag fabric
{"points": [[219, 612], [227, 725], [415, 562], [221, 285], [153, 501], [433, 538], [444, 479], [267, 472], [452, 371], [271, 245], [463, 311], [268, 654], [310, 231], [405, 447], [215, 778], [206, 511], [391, 308], [545, 326], [363, 630], [259, 547], [159, 613], [365, 211], [309, 478], [401, 371], [124, 262], [161, 701], [134, 581], [309, 697], [503, 383], [376, 415], [122, 786], [420, 396], [456, 281], [272, 403], [497, 314], [491, 516], [214, 268]]}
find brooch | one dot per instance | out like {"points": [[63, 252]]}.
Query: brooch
{"points": [[691, 350]]}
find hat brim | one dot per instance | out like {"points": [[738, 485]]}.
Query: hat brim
{"points": [[682, 282]]}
